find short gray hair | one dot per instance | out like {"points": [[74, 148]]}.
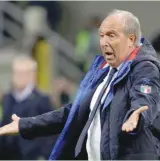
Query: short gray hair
{"points": [[25, 58], [131, 23]]}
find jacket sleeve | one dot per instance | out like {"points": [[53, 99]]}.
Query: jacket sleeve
{"points": [[44, 125], [145, 91]]}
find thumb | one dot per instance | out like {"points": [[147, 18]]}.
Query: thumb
{"points": [[141, 109], [15, 117]]}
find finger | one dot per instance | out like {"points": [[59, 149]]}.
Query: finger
{"points": [[130, 129], [127, 130], [15, 117], [124, 126], [129, 126], [134, 125], [141, 109]]}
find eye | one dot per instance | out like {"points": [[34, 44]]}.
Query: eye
{"points": [[101, 35], [112, 35]]}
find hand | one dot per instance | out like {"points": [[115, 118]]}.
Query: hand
{"points": [[132, 121], [12, 128]]}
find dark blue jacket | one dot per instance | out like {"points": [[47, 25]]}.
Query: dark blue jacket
{"points": [[17, 147], [140, 72]]}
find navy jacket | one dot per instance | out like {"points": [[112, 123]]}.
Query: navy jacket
{"points": [[137, 84], [17, 147]]}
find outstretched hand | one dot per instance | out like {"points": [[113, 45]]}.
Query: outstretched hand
{"points": [[132, 122], [12, 128]]}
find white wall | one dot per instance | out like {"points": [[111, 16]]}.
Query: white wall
{"points": [[148, 13]]}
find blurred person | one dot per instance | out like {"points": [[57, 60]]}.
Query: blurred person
{"points": [[62, 91], [94, 47], [87, 43], [82, 47], [64, 97], [25, 100], [34, 26], [116, 104], [54, 12]]}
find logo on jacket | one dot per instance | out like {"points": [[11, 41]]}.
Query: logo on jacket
{"points": [[145, 89]]}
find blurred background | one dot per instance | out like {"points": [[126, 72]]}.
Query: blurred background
{"points": [[62, 38]]}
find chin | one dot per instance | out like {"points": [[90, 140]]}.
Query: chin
{"points": [[112, 64]]}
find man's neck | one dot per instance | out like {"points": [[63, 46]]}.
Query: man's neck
{"points": [[24, 93]]}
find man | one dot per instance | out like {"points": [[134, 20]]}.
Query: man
{"points": [[26, 101], [115, 105]]}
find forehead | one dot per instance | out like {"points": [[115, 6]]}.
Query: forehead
{"points": [[23, 66], [111, 23]]}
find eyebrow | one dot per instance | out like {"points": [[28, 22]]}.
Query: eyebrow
{"points": [[100, 31]]}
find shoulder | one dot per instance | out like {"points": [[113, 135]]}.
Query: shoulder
{"points": [[7, 96], [145, 71], [145, 67]]}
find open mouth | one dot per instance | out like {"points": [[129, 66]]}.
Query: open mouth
{"points": [[108, 53]]}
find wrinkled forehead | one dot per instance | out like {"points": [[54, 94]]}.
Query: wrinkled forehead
{"points": [[111, 23]]}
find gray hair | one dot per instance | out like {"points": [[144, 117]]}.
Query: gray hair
{"points": [[25, 58], [131, 23]]}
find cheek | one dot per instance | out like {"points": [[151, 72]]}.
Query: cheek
{"points": [[116, 48], [101, 43], [121, 47]]}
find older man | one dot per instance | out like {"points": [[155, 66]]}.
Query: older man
{"points": [[112, 115], [25, 100]]}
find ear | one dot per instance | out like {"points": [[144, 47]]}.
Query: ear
{"points": [[132, 40]]}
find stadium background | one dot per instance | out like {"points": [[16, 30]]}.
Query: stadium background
{"points": [[63, 38]]}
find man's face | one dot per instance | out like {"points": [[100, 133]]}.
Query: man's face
{"points": [[115, 44], [22, 75]]}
